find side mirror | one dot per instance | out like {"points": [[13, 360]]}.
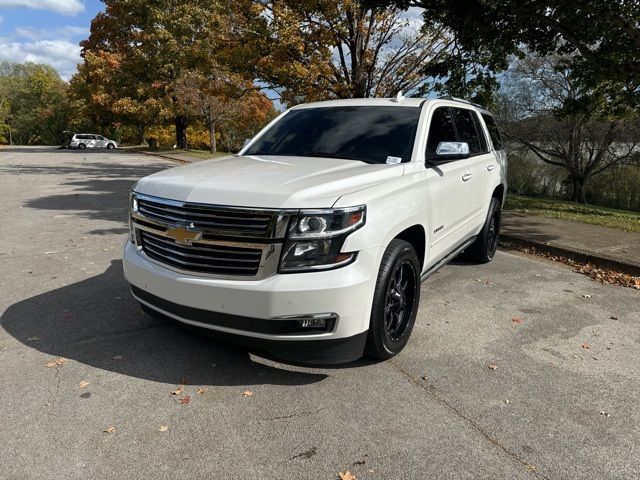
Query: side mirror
{"points": [[448, 150], [247, 141]]}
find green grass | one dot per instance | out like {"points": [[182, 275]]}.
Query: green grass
{"points": [[553, 208]]}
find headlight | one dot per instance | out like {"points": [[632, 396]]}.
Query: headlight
{"points": [[133, 208], [316, 238]]}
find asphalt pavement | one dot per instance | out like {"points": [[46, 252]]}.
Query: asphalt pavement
{"points": [[520, 368]]}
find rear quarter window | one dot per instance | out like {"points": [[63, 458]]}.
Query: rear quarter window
{"points": [[494, 133]]}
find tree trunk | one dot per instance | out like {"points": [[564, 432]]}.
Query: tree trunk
{"points": [[578, 193], [212, 137], [140, 139], [181, 131]]}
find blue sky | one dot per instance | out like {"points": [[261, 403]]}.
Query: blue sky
{"points": [[46, 31]]}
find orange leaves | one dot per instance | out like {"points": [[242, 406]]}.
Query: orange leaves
{"points": [[111, 429], [517, 320], [185, 400], [492, 366], [346, 476], [56, 363], [178, 390], [247, 393]]}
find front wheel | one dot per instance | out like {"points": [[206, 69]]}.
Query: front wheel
{"points": [[395, 301], [110, 146], [484, 248], [82, 146]]}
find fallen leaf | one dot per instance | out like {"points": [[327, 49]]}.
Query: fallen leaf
{"points": [[492, 366], [613, 317], [118, 357], [586, 346], [507, 401], [109, 430], [488, 282], [586, 296], [163, 428], [33, 339], [178, 390], [606, 414], [83, 384], [346, 476], [185, 400], [56, 363], [424, 377], [201, 390], [247, 393], [517, 320]]}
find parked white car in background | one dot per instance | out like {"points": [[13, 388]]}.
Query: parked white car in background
{"points": [[312, 242], [91, 140]]}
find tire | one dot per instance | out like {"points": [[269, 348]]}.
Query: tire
{"points": [[484, 248], [110, 146], [81, 146], [394, 310]]}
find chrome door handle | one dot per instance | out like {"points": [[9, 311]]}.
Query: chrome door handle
{"points": [[466, 177], [491, 167]]}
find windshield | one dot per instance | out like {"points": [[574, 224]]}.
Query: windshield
{"points": [[369, 134]]}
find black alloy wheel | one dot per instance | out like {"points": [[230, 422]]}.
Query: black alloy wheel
{"points": [[395, 301], [401, 294]]}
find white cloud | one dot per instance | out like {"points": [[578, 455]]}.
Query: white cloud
{"points": [[67, 32], [65, 7], [63, 55]]}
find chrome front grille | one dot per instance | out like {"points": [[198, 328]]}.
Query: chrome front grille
{"points": [[212, 240], [209, 217], [201, 257]]}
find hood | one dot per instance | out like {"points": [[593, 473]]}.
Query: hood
{"points": [[267, 181]]}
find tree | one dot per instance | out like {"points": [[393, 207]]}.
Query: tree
{"points": [[312, 50], [152, 45], [33, 104], [586, 142], [600, 37], [215, 98]]}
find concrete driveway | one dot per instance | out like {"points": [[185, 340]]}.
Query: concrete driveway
{"points": [[560, 401]]}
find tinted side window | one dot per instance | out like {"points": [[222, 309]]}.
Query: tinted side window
{"points": [[467, 131], [441, 129], [493, 131]]}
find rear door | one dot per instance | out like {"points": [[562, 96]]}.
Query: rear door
{"points": [[479, 164], [101, 142], [449, 192]]}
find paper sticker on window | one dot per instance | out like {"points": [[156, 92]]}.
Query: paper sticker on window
{"points": [[394, 160]]}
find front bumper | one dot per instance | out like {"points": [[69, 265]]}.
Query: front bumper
{"points": [[347, 292]]}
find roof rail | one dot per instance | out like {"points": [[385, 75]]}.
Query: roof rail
{"points": [[461, 100]]}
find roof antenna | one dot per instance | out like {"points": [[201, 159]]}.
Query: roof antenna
{"points": [[399, 97]]}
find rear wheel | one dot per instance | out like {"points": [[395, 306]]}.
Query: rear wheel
{"points": [[82, 146], [395, 301], [484, 248]]}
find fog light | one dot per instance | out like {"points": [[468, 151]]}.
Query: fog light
{"points": [[313, 323]]}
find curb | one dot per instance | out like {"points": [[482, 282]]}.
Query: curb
{"points": [[585, 256], [179, 161]]}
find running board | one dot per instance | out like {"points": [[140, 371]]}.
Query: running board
{"points": [[446, 259]]}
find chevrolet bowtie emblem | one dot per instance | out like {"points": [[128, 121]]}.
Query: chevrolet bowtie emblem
{"points": [[184, 235]]}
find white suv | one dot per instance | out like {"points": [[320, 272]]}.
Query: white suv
{"points": [[311, 243], [91, 140]]}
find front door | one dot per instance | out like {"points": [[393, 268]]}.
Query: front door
{"points": [[449, 189]]}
